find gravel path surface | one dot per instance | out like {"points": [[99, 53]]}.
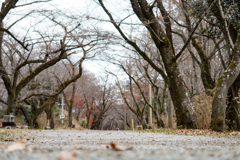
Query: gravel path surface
{"points": [[60, 144]]}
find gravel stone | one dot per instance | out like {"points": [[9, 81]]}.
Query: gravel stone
{"points": [[49, 144]]}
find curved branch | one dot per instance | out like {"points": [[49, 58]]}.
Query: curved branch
{"points": [[133, 44], [193, 31], [6, 8], [4, 102], [9, 33]]}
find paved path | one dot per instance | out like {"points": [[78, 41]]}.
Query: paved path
{"points": [[54, 144]]}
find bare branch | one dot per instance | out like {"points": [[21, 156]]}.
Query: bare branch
{"points": [[9, 33], [27, 4], [193, 31]]}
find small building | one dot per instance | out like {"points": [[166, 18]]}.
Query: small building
{"points": [[8, 121]]}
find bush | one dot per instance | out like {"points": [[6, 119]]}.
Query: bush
{"points": [[57, 114], [202, 110], [2, 113], [41, 122]]}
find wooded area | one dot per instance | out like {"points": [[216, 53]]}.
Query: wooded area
{"points": [[155, 55]]}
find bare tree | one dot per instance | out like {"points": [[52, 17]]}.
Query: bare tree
{"points": [[162, 38], [104, 101]]}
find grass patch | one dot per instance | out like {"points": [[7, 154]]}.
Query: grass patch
{"points": [[194, 132], [11, 135], [7, 135]]}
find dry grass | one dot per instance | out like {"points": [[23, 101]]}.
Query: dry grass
{"points": [[195, 132], [202, 110], [58, 124]]}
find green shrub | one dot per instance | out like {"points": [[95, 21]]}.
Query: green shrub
{"points": [[180, 127], [57, 114]]}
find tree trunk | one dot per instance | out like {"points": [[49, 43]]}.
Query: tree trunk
{"points": [[26, 115], [232, 116], [48, 105], [80, 115], [170, 112], [88, 119], [34, 110], [97, 121], [184, 111], [158, 118], [50, 117], [205, 67], [223, 85], [11, 104], [35, 123], [52, 124], [232, 111], [70, 116], [144, 123], [159, 121], [163, 42], [48, 113]]}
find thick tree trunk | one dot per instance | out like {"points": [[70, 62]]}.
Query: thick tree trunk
{"points": [[184, 111], [48, 105], [35, 123], [159, 120], [158, 117], [223, 85], [232, 111], [88, 119], [232, 116], [26, 115], [144, 123], [232, 108], [97, 121], [34, 110], [52, 124], [170, 112], [163, 42], [11, 104], [70, 117], [50, 117]]}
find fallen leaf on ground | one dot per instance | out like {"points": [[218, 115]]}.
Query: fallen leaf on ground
{"points": [[2, 146], [29, 149], [129, 148], [18, 145], [77, 147], [103, 146], [66, 155], [117, 148]]}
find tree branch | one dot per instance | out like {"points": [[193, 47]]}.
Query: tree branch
{"points": [[193, 31], [133, 44]]}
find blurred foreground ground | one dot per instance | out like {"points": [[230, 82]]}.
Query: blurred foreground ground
{"points": [[87, 144]]}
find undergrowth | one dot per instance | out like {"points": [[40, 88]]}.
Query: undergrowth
{"points": [[194, 132]]}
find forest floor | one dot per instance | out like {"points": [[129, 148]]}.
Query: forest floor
{"points": [[102, 145]]}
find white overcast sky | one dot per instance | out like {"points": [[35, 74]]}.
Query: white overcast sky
{"points": [[120, 9]]}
